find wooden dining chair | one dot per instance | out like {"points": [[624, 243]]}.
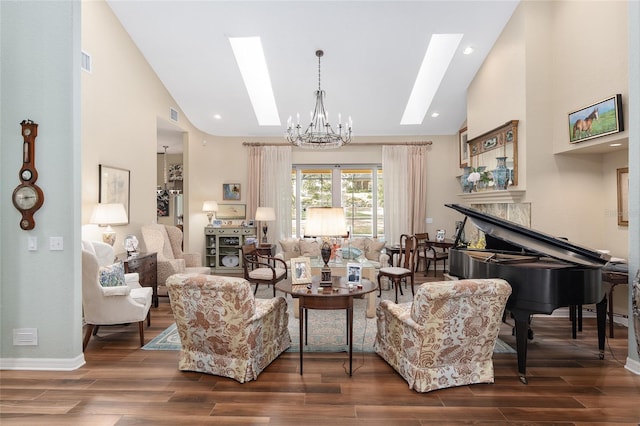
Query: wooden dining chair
{"points": [[429, 252], [407, 259]]}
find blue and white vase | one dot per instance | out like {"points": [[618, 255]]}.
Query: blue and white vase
{"points": [[501, 175]]}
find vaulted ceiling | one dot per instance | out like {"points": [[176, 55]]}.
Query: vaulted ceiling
{"points": [[372, 53]]}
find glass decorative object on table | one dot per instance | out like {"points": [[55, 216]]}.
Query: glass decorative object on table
{"points": [[131, 245]]}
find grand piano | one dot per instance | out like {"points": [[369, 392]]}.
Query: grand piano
{"points": [[545, 273]]}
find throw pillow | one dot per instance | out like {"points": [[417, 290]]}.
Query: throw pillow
{"points": [[290, 248], [310, 248], [351, 252], [373, 249], [112, 275], [358, 243]]}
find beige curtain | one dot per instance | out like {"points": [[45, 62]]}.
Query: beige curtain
{"points": [[275, 189], [405, 190], [270, 186], [255, 170], [418, 188]]}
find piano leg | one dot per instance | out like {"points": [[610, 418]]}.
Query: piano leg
{"points": [[601, 312], [522, 331]]}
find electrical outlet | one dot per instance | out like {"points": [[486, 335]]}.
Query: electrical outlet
{"points": [[429, 220], [56, 243]]}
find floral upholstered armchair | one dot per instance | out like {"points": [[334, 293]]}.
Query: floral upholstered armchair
{"points": [[166, 241], [223, 329], [446, 336]]}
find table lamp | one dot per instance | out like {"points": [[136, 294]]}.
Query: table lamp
{"points": [[325, 222], [210, 208], [264, 215], [109, 214]]}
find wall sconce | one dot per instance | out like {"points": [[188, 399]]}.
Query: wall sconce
{"points": [[264, 215], [210, 208], [109, 214]]}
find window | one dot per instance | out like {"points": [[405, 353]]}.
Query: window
{"points": [[356, 188]]}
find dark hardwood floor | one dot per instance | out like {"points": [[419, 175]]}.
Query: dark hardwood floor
{"points": [[124, 385]]}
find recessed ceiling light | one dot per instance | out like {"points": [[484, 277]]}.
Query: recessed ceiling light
{"points": [[217, 116], [435, 114], [436, 60], [468, 50], [616, 144], [253, 67]]}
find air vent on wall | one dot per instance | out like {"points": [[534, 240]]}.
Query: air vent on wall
{"points": [[173, 114], [85, 61]]}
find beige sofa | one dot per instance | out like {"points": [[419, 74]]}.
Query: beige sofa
{"points": [[364, 247]]}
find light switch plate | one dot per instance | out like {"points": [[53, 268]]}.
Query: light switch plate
{"points": [[32, 243]]}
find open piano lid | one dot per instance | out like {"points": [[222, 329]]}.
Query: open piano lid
{"points": [[531, 240]]}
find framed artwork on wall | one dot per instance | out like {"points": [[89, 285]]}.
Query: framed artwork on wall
{"points": [[230, 191], [113, 186], [623, 196], [463, 148], [232, 211], [175, 172], [595, 120], [162, 203]]}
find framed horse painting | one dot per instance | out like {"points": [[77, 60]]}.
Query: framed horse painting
{"points": [[599, 119]]}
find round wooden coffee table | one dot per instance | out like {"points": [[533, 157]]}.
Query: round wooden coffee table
{"points": [[338, 296]]}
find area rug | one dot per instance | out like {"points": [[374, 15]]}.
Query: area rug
{"points": [[327, 330]]}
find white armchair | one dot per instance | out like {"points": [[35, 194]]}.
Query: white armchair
{"points": [[106, 256], [166, 241], [121, 304]]}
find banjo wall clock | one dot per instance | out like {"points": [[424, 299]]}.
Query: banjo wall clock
{"points": [[28, 197]]}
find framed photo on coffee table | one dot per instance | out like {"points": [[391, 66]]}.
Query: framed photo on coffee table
{"points": [[354, 273], [300, 270]]}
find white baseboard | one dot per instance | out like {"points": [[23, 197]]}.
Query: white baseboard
{"points": [[50, 364], [633, 366]]}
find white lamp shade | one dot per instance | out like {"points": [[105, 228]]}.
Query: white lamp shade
{"points": [[325, 222], [210, 206], [265, 214], [109, 214]]}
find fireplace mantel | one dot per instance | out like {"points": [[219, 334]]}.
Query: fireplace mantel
{"points": [[495, 196]]}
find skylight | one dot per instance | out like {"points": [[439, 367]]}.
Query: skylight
{"points": [[253, 67], [434, 65]]}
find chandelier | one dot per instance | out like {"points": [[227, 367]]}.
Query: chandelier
{"points": [[319, 134]]}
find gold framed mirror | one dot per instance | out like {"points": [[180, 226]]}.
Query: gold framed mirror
{"points": [[499, 142]]}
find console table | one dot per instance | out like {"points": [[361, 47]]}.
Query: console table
{"points": [[146, 265]]}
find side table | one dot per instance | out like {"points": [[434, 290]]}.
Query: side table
{"points": [[266, 249], [338, 296], [146, 265]]}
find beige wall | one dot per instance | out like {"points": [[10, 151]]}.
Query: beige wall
{"points": [[224, 160], [122, 99], [540, 69]]}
